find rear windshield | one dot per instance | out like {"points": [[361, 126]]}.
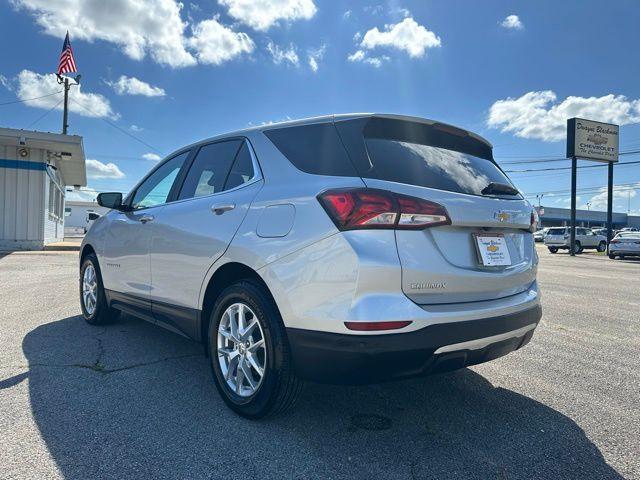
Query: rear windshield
{"points": [[409, 152], [557, 231], [433, 167]]}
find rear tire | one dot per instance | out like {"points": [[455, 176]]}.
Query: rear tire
{"points": [[553, 249], [602, 246], [578, 248], [278, 387], [612, 257], [93, 301]]}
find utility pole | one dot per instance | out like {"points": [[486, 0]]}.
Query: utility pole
{"points": [[572, 244], [64, 81], [588, 210], [65, 115], [539, 197]]}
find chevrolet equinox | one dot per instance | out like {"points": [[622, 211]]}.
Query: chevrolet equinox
{"points": [[343, 249]]}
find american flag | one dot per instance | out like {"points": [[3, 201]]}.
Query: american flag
{"points": [[67, 63]]}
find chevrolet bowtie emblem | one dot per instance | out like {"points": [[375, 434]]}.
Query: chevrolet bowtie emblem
{"points": [[502, 216]]}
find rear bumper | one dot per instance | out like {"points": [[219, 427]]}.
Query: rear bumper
{"points": [[360, 359]]}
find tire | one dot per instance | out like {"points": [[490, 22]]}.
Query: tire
{"points": [[96, 312], [278, 387], [612, 257], [602, 246], [553, 249], [578, 248]]}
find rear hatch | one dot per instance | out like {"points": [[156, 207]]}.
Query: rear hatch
{"points": [[556, 236], [487, 250]]}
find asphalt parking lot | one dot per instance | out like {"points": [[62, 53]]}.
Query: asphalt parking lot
{"points": [[134, 401]]}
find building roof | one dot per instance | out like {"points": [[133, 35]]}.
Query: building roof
{"points": [[67, 150]]}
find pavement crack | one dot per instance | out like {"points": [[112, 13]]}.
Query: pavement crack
{"points": [[100, 368]]}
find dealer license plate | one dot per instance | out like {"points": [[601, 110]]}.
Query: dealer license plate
{"points": [[492, 250]]}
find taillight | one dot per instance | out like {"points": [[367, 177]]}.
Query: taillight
{"points": [[614, 241], [363, 208], [533, 227]]}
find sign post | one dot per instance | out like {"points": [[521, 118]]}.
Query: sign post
{"points": [[595, 141]]}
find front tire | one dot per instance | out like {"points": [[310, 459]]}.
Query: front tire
{"points": [[553, 249], [578, 248], [93, 301], [249, 352], [602, 246], [612, 257]]}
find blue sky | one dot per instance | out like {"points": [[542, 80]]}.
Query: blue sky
{"points": [[170, 75]]}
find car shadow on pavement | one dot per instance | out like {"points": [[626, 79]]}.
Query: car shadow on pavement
{"points": [[131, 400]]}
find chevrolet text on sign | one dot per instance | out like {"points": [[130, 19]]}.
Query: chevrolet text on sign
{"points": [[592, 140]]}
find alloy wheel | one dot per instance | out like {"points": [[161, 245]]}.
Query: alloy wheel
{"points": [[242, 352], [90, 289]]}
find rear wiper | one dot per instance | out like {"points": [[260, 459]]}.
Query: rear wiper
{"points": [[499, 188]]}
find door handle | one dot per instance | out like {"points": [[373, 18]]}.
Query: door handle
{"points": [[146, 218], [220, 208]]}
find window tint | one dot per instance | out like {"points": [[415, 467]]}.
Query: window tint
{"points": [[557, 231], [156, 188], [209, 169], [313, 149], [427, 166], [241, 170]]}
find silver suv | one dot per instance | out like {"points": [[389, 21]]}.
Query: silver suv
{"points": [[342, 249], [558, 238]]}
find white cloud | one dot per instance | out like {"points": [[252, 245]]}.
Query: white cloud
{"points": [[263, 14], [140, 27], [136, 128], [621, 193], [314, 56], [537, 115], [407, 35], [133, 86], [146, 27], [83, 194], [346, 15], [31, 85], [97, 169], [4, 81], [361, 56], [280, 55], [216, 43], [154, 157], [512, 22]]}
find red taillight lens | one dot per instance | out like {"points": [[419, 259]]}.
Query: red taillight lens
{"points": [[534, 221], [362, 208], [376, 326], [614, 241]]}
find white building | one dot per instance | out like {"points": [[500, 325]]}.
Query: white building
{"points": [[35, 168], [80, 215]]}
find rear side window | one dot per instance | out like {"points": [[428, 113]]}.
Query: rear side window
{"points": [[241, 170], [557, 231], [313, 149], [209, 169]]}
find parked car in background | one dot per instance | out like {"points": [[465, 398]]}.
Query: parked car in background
{"points": [[625, 244], [599, 231], [540, 234], [343, 249], [629, 229], [559, 238]]}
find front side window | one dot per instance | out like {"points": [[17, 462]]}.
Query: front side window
{"points": [[156, 188], [218, 167]]}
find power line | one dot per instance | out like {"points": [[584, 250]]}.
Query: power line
{"points": [[567, 168], [558, 159], [29, 99], [44, 115], [118, 128]]}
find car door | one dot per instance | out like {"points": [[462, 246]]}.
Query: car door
{"points": [[126, 270], [190, 234]]}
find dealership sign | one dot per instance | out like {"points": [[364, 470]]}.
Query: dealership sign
{"points": [[592, 140]]}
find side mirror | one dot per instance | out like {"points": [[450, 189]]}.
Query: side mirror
{"points": [[111, 200], [93, 216]]}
